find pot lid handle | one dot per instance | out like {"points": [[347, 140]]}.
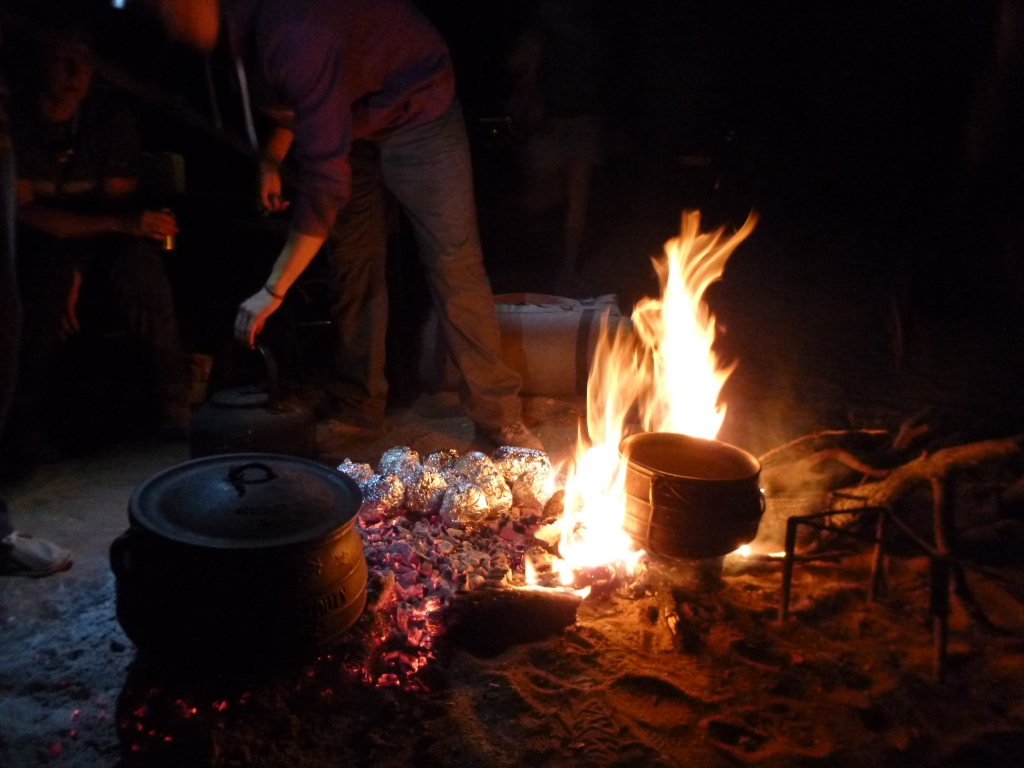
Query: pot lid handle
{"points": [[237, 477]]}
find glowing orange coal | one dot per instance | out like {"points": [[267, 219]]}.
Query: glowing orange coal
{"points": [[662, 371]]}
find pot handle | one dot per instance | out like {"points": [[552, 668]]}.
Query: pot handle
{"points": [[236, 475], [273, 391], [120, 555], [661, 487], [232, 348]]}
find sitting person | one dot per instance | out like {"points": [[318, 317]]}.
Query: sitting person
{"points": [[77, 182]]}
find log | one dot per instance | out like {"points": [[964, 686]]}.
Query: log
{"points": [[930, 469], [489, 621], [934, 471]]}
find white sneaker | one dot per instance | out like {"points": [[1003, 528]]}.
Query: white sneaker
{"points": [[515, 433], [22, 555]]}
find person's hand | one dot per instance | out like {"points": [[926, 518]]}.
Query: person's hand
{"points": [[156, 225], [270, 187], [252, 314], [69, 325]]}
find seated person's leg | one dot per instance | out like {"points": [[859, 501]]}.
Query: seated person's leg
{"points": [[143, 296], [46, 271]]}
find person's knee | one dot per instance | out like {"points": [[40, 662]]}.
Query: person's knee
{"points": [[135, 261]]}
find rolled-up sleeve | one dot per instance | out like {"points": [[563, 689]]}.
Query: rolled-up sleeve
{"points": [[305, 65]]}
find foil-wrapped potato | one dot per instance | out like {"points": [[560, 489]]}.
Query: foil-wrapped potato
{"points": [[512, 461], [424, 491], [464, 504], [401, 461], [383, 496], [358, 472]]}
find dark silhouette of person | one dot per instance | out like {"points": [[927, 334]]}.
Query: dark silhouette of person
{"points": [[555, 106], [19, 553], [80, 222]]}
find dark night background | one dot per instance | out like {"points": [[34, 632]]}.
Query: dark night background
{"points": [[881, 143], [878, 141]]}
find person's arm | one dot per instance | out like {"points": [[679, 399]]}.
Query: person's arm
{"points": [[305, 65], [274, 152], [298, 251], [61, 223], [158, 225], [71, 225]]}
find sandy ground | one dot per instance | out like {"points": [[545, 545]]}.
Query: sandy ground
{"points": [[845, 683]]}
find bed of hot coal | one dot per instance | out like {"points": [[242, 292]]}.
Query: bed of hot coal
{"points": [[444, 570]]}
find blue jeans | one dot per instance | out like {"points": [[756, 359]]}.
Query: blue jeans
{"points": [[429, 172]]}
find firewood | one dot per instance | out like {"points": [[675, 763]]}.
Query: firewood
{"points": [[935, 471], [931, 469], [488, 621]]}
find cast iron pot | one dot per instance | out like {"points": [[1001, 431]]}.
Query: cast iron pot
{"points": [[239, 558], [252, 418], [690, 498]]}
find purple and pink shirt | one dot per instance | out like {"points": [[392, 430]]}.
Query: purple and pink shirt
{"points": [[343, 70]]}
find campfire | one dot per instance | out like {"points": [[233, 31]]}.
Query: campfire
{"points": [[662, 377], [439, 529], [617, 644]]}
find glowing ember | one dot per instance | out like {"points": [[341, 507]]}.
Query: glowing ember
{"points": [[666, 373]]}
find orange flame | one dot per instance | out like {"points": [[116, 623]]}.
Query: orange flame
{"points": [[666, 370]]}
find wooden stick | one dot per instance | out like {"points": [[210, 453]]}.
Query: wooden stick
{"points": [[488, 621]]}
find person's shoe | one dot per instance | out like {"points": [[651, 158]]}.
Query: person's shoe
{"points": [[22, 555], [514, 433]]}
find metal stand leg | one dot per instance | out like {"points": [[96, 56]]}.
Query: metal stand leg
{"points": [[944, 568], [787, 567], [878, 583], [939, 609]]}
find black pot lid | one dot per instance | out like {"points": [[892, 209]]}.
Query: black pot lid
{"points": [[241, 397], [245, 500]]}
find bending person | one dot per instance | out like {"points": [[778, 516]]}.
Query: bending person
{"points": [[335, 71]]}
